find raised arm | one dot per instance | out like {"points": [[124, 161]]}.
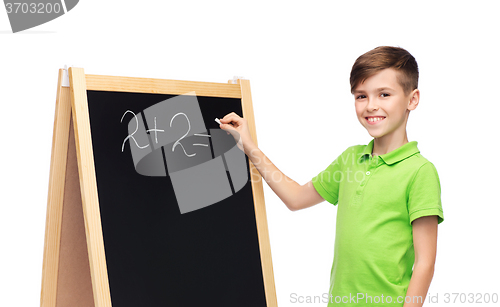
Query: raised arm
{"points": [[293, 195]]}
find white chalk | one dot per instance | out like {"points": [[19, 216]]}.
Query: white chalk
{"points": [[218, 121]]}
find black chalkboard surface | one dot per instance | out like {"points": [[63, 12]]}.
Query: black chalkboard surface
{"points": [[150, 203], [155, 255]]}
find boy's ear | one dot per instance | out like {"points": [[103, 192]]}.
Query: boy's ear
{"points": [[414, 99]]}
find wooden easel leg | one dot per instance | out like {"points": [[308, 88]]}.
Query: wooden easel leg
{"points": [[74, 285], [65, 274]]}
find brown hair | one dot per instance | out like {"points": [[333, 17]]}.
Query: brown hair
{"points": [[384, 57]]}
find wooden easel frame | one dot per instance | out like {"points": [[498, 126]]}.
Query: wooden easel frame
{"points": [[74, 263]]}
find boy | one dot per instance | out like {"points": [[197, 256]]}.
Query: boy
{"points": [[388, 194]]}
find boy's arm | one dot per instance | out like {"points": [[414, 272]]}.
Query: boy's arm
{"points": [[425, 244], [294, 196]]}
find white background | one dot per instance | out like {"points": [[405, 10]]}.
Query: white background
{"points": [[297, 57]]}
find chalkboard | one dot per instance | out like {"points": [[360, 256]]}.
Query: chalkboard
{"points": [[157, 256], [173, 213]]}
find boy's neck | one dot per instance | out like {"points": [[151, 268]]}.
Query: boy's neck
{"points": [[388, 143]]}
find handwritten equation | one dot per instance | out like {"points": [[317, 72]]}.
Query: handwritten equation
{"points": [[170, 139], [155, 130]]}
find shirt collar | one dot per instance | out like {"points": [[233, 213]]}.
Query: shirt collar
{"points": [[394, 156]]}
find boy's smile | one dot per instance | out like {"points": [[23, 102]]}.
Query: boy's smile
{"points": [[372, 120], [382, 106]]}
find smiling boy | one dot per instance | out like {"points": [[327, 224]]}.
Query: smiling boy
{"points": [[388, 195]]}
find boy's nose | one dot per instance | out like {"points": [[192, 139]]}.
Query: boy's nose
{"points": [[372, 106]]}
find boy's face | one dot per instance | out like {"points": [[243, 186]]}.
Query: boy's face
{"points": [[382, 95]]}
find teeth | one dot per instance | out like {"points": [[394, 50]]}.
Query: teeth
{"points": [[374, 119]]}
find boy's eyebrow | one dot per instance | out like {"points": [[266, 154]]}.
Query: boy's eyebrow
{"points": [[377, 90]]}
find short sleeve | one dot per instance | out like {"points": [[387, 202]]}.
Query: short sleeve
{"points": [[424, 194], [327, 182]]}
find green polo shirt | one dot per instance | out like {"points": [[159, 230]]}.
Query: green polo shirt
{"points": [[378, 197]]}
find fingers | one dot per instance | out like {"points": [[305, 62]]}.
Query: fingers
{"points": [[231, 115], [232, 118], [226, 127]]}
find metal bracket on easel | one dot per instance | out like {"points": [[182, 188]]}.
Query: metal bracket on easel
{"points": [[65, 79], [235, 79]]}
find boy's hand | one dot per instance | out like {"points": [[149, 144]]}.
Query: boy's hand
{"points": [[238, 128]]}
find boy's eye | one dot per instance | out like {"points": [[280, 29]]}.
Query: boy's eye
{"points": [[384, 94], [361, 97]]}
